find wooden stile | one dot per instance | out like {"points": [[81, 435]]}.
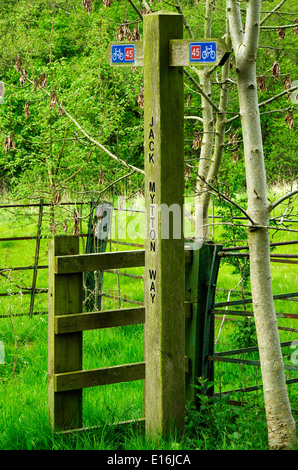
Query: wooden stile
{"points": [[67, 322], [163, 53]]}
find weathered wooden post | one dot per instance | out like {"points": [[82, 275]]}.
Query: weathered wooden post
{"points": [[164, 347], [64, 350]]}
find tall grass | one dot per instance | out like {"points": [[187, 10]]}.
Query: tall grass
{"points": [[23, 377]]}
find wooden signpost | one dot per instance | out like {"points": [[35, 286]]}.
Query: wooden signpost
{"points": [[176, 297], [164, 347], [163, 53]]}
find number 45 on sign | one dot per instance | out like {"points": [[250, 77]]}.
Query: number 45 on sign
{"points": [[202, 52], [123, 53]]}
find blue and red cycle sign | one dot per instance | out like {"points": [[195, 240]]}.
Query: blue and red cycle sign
{"points": [[202, 52], [123, 54]]}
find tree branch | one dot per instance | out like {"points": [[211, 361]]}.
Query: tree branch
{"points": [[235, 23], [186, 24], [226, 198], [136, 9], [98, 144], [264, 103], [146, 6], [284, 110], [197, 118], [271, 12], [207, 98], [110, 154], [289, 90], [103, 191], [284, 26], [281, 199], [80, 169]]}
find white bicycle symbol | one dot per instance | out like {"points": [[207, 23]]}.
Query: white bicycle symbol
{"points": [[208, 52], [118, 55]]}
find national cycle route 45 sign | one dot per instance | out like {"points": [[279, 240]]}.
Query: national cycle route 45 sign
{"points": [[183, 52], [202, 52], [123, 54]]}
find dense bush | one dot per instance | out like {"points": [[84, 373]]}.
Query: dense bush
{"points": [[61, 46]]}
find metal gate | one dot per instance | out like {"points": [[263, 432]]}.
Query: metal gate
{"points": [[220, 309]]}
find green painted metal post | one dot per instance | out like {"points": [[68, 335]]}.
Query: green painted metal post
{"points": [[197, 276], [192, 342], [164, 339], [208, 320]]}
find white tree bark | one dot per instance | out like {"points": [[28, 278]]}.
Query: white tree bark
{"points": [[205, 154], [281, 425], [214, 166], [208, 132]]}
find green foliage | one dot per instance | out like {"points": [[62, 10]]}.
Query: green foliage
{"points": [[64, 42], [243, 334], [67, 46], [218, 425]]}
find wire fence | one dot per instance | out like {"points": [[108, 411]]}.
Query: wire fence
{"points": [[23, 288], [76, 217]]}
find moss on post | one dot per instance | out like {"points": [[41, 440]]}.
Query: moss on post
{"points": [[164, 254]]}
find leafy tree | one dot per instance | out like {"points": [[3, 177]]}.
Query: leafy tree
{"points": [[71, 122]]}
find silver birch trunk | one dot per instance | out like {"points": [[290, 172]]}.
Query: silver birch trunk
{"points": [[208, 134], [281, 425], [215, 157], [205, 155]]}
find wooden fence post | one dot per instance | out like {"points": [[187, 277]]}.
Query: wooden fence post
{"points": [[64, 350], [164, 341], [36, 258], [98, 233]]}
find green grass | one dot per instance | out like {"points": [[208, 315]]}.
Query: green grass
{"points": [[23, 378]]}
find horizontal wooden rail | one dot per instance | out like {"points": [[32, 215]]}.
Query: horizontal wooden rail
{"points": [[95, 377], [104, 319], [97, 320], [104, 376], [100, 261]]}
